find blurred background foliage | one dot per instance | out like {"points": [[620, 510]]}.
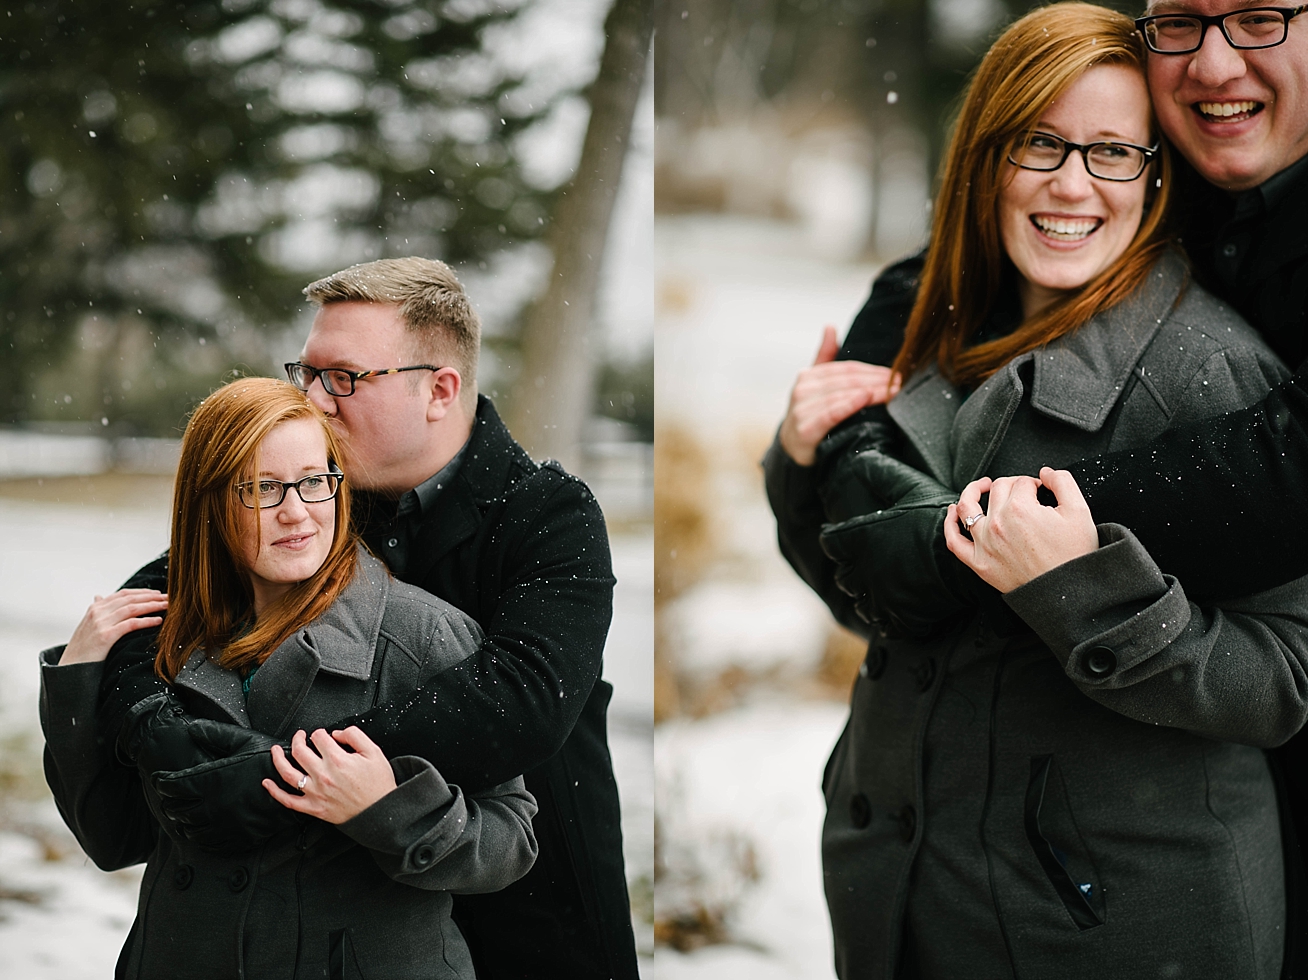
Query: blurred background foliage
{"points": [[757, 98], [177, 170]]}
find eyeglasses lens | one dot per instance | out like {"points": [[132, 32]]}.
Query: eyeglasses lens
{"points": [[334, 381], [337, 383], [1115, 162]]}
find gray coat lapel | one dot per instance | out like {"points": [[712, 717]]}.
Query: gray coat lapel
{"points": [[925, 410], [341, 641], [1079, 378], [982, 422], [218, 686]]}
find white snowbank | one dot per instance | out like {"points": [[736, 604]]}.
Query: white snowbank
{"points": [[754, 771]]}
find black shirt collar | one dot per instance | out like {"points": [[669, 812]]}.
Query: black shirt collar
{"points": [[420, 499], [1275, 187], [1261, 199]]}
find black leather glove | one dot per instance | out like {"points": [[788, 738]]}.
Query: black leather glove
{"points": [[221, 805], [844, 491], [892, 557], [156, 735]]}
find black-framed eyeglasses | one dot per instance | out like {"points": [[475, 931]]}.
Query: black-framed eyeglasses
{"points": [[1105, 160], [315, 488], [338, 381], [1252, 27]]}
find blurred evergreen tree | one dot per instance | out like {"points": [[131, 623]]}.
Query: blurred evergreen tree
{"points": [[177, 171]]}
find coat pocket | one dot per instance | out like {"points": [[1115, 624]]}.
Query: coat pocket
{"points": [[1052, 832]]}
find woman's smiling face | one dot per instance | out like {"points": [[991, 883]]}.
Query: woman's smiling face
{"points": [[288, 543], [1063, 227]]}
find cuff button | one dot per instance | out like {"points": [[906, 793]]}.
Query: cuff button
{"points": [[1100, 661]]}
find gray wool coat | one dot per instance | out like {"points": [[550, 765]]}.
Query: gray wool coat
{"points": [[368, 898], [1088, 799]]}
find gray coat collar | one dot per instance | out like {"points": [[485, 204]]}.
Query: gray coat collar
{"points": [[342, 641], [1077, 380]]}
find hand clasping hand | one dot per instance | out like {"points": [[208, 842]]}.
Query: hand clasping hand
{"points": [[1018, 538], [335, 785]]}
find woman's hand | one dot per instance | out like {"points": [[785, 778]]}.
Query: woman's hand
{"points": [[109, 619], [828, 393], [1018, 538], [336, 785]]}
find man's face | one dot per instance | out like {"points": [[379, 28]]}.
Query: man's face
{"points": [[385, 420], [1239, 116]]}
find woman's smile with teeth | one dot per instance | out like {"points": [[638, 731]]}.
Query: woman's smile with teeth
{"points": [[1065, 229], [1226, 110]]}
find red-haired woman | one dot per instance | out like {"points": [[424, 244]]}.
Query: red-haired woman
{"points": [[278, 620], [1003, 803]]}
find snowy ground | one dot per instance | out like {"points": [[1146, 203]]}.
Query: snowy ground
{"points": [[754, 772], [741, 306], [60, 917]]}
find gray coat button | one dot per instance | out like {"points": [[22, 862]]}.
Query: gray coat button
{"points": [[424, 855], [1100, 661]]}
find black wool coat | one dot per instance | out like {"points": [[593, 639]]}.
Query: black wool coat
{"points": [[522, 548]]}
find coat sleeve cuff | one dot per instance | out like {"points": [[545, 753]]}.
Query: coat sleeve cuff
{"points": [[791, 488], [68, 697], [67, 710], [414, 825], [1105, 612]]}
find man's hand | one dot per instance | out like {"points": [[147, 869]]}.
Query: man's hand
{"points": [[109, 619], [1018, 538], [828, 393], [221, 805]]}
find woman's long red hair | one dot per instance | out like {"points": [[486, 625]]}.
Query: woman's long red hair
{"points": [[210, 601], [1034, 62]]}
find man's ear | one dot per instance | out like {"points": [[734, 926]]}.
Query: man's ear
{"points": [[443, 393]]}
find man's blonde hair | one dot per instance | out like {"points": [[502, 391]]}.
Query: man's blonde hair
{"points": [[432, 304]]}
